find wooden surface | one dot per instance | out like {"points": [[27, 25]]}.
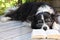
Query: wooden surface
{"points": [[14, 30]]}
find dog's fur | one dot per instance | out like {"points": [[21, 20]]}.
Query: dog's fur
{"points": [[34, 12]]}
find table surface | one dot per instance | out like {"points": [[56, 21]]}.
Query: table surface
{"points": [[15, 30]]}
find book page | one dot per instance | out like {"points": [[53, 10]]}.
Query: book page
{"points": [[52, 32], [38, 33]]}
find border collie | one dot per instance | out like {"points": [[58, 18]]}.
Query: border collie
{"points": [[40, 14]]}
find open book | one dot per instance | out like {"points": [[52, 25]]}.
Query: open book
{"points": [[48, 34]]}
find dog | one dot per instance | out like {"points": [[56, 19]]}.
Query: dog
{"points": [[40, 14]]}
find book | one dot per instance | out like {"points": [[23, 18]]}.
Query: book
{"points": [[48, 34]]}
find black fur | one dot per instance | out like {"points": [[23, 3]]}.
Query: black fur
{"points": [[27, 10]]}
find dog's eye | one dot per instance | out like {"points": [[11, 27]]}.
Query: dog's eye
{"points": [[40, 21], [39, 25], [47, 20]]}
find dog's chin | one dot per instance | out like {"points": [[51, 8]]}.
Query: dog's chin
{"points": [[5, 19]]}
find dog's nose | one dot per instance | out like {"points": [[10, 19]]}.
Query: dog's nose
{"points": [[45, 28]]}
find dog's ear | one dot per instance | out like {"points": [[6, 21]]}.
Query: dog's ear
{"points": [[53, 17]]}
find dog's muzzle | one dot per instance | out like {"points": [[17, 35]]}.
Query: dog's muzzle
{"points": [[45, 27]]}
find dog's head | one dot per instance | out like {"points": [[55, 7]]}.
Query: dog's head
{"points": [[44, 18]]}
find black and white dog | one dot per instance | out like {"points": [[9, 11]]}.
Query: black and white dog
{"points": [[40, 14]]}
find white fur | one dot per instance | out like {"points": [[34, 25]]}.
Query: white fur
{"points": [[10, 9], [42, 17], [58, 19], [56, 26], [45, 8], [44, 24], [4, 19]]}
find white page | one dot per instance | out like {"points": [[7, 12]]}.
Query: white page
{"points": [[44, 33], [38, 32], [52, 32]]}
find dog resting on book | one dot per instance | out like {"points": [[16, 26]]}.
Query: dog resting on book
{"points": [[40, 14]]}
